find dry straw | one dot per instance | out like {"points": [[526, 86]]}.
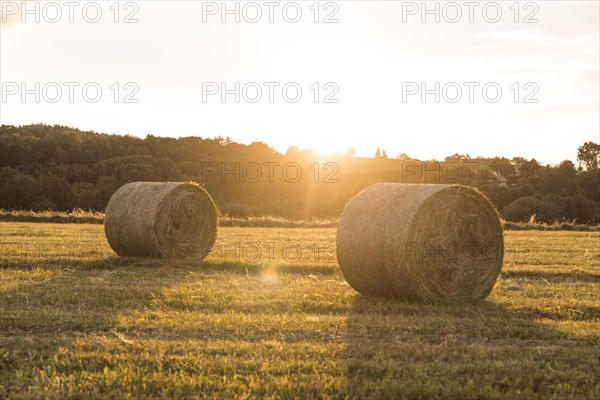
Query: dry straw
{"points": [[421, 242], [161, 220]]}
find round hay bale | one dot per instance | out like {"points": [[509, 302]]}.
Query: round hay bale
{"points": [[421, 242], [161, 220]]}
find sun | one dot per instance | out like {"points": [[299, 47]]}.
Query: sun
{"points": [[329, 150], [330, 146]]}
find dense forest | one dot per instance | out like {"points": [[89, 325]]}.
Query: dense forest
{"points": [[60, 168]]}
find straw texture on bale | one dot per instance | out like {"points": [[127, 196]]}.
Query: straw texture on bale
{"points": [[161, 220], [421, 242]]}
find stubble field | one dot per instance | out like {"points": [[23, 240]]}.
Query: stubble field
{"points": [[268, 314]]}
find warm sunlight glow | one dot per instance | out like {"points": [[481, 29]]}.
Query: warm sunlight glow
{"points": [[269, 274], [350, 75], [329, 147]]}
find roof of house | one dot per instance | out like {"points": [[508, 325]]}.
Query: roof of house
{"points": [[498, 176]]}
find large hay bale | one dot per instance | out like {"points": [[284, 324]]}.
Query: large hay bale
{"points": [[161, 220], [421, 242]]}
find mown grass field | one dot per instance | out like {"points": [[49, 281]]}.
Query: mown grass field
{"points": [[268, 314]]}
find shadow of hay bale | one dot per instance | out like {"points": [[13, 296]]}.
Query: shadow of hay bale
{"points": [[402, 349]]}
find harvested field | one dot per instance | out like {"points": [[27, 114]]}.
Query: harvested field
{"points": [[268, 314]]}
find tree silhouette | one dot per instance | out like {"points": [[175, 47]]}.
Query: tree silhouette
{"points": [[350, 152], [589, 155], [57, 167]]}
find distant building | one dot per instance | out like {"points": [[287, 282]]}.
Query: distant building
{"points": [[497, 177]]}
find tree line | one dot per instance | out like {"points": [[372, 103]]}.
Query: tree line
{"points": [[47, 167]]}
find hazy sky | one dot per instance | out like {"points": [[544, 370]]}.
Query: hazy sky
{"points": [[372, 61]]}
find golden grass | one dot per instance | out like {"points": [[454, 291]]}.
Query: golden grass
{"points": [[78, 322]]}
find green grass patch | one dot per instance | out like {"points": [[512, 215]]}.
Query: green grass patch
{"points": [[268, 314]]}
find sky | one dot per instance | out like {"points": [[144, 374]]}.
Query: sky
{"points": [[486, 79]]}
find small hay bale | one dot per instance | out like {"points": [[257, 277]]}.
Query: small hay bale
{"points": [[161, 220], [421, 242]]}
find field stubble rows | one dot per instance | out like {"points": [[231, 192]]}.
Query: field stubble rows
{"points": [[268, 314]]}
